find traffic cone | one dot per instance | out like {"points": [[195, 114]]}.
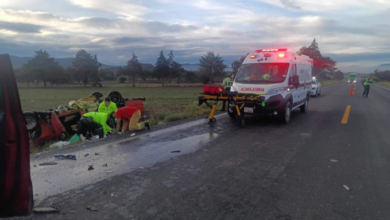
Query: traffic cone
{"points": [[351, 90]]}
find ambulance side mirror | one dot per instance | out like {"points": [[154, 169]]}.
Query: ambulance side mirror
{"points": [[294, 80]]}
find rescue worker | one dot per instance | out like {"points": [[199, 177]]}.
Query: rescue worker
{"points": [[130, 116], [366, 84], [107, 106], [227, 83], [94, 123]]}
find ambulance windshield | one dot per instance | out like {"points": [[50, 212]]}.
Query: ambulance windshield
{"points": [[262, 73]]}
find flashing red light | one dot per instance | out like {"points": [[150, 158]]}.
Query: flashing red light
{"points": [[252, 56], [282, 55], [271, 50]]}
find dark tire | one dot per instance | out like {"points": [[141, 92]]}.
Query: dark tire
{"points": [[97, 95], [115, 97], [36, 134], [319, 92], [286, 114], [316, 94], [305, 106], [233, 115], [32, 121]]}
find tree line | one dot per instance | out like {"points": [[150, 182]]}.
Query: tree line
{"points": [[86, 69]]}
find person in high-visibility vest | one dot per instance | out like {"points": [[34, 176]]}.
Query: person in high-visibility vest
{"points": [[94, 123], [107, 107], [366, 85], [227, 83]]}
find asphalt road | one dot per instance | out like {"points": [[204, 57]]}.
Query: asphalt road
{"points": [[263, 171]]}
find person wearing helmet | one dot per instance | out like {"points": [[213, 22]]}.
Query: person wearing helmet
{"points": [[227, 83], [61, 109]]}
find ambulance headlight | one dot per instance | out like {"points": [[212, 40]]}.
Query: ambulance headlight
{"points": [[275, 91]]}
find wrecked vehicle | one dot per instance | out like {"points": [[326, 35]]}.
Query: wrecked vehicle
{"points": [[60, 124]]}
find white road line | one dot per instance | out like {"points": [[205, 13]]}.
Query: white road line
{"points": [[381, 87]]}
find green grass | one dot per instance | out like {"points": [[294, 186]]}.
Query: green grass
{"points": [[329, 82], [385, 83], [158, 99]]}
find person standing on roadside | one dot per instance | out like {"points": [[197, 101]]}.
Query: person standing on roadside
{"points": [[366, 85], [227, 83]]}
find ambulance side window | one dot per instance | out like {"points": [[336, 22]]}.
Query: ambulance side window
{"points": [[294, 70]]}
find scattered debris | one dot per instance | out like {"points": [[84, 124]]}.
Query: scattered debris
{"points": [[105, 165], [334, 160], [65, 156], [132, 135], [45, 210], [112, 194], [60, 144], [47, 164], [97, 154], [86, 155], [90, 167], [346, 187], [91, 208], [175, 151]]}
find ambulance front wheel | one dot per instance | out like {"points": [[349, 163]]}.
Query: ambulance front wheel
{"points": [[286, 114]]}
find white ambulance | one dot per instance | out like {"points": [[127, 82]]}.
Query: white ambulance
{"points": [[281, 78]]}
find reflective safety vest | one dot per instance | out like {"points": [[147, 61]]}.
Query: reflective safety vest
{"points": [[228, 83], [110, 109], [100, 118], [367, 81]]}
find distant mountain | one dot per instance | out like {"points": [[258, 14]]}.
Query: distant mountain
{"points": [[383, 67], [18, 62]]}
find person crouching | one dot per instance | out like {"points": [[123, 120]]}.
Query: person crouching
{"points": [[129, 117]]}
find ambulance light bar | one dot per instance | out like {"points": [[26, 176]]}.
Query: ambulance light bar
{"points": [[271, 50]]}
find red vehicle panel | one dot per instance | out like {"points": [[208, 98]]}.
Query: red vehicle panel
{"points": [[213, 90], [16, 196]]}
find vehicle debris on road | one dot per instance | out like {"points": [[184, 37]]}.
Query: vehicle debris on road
{"points": [[45, 210], [47, 164], [346, 187], [97, 154], [86, 155], [105, 165], [90, 167], [91, 208], [334, 160], [175, 151], [65, 156]]}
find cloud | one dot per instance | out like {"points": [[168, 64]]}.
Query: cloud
{"points": [[19, 27], [191, 28], [121, 7], [290, 4]]}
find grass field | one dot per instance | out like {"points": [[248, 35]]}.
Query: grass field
{"points": [[162, 103], [385, 83]]}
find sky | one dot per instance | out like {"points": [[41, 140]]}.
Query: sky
{"points": [[355, 33]]}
